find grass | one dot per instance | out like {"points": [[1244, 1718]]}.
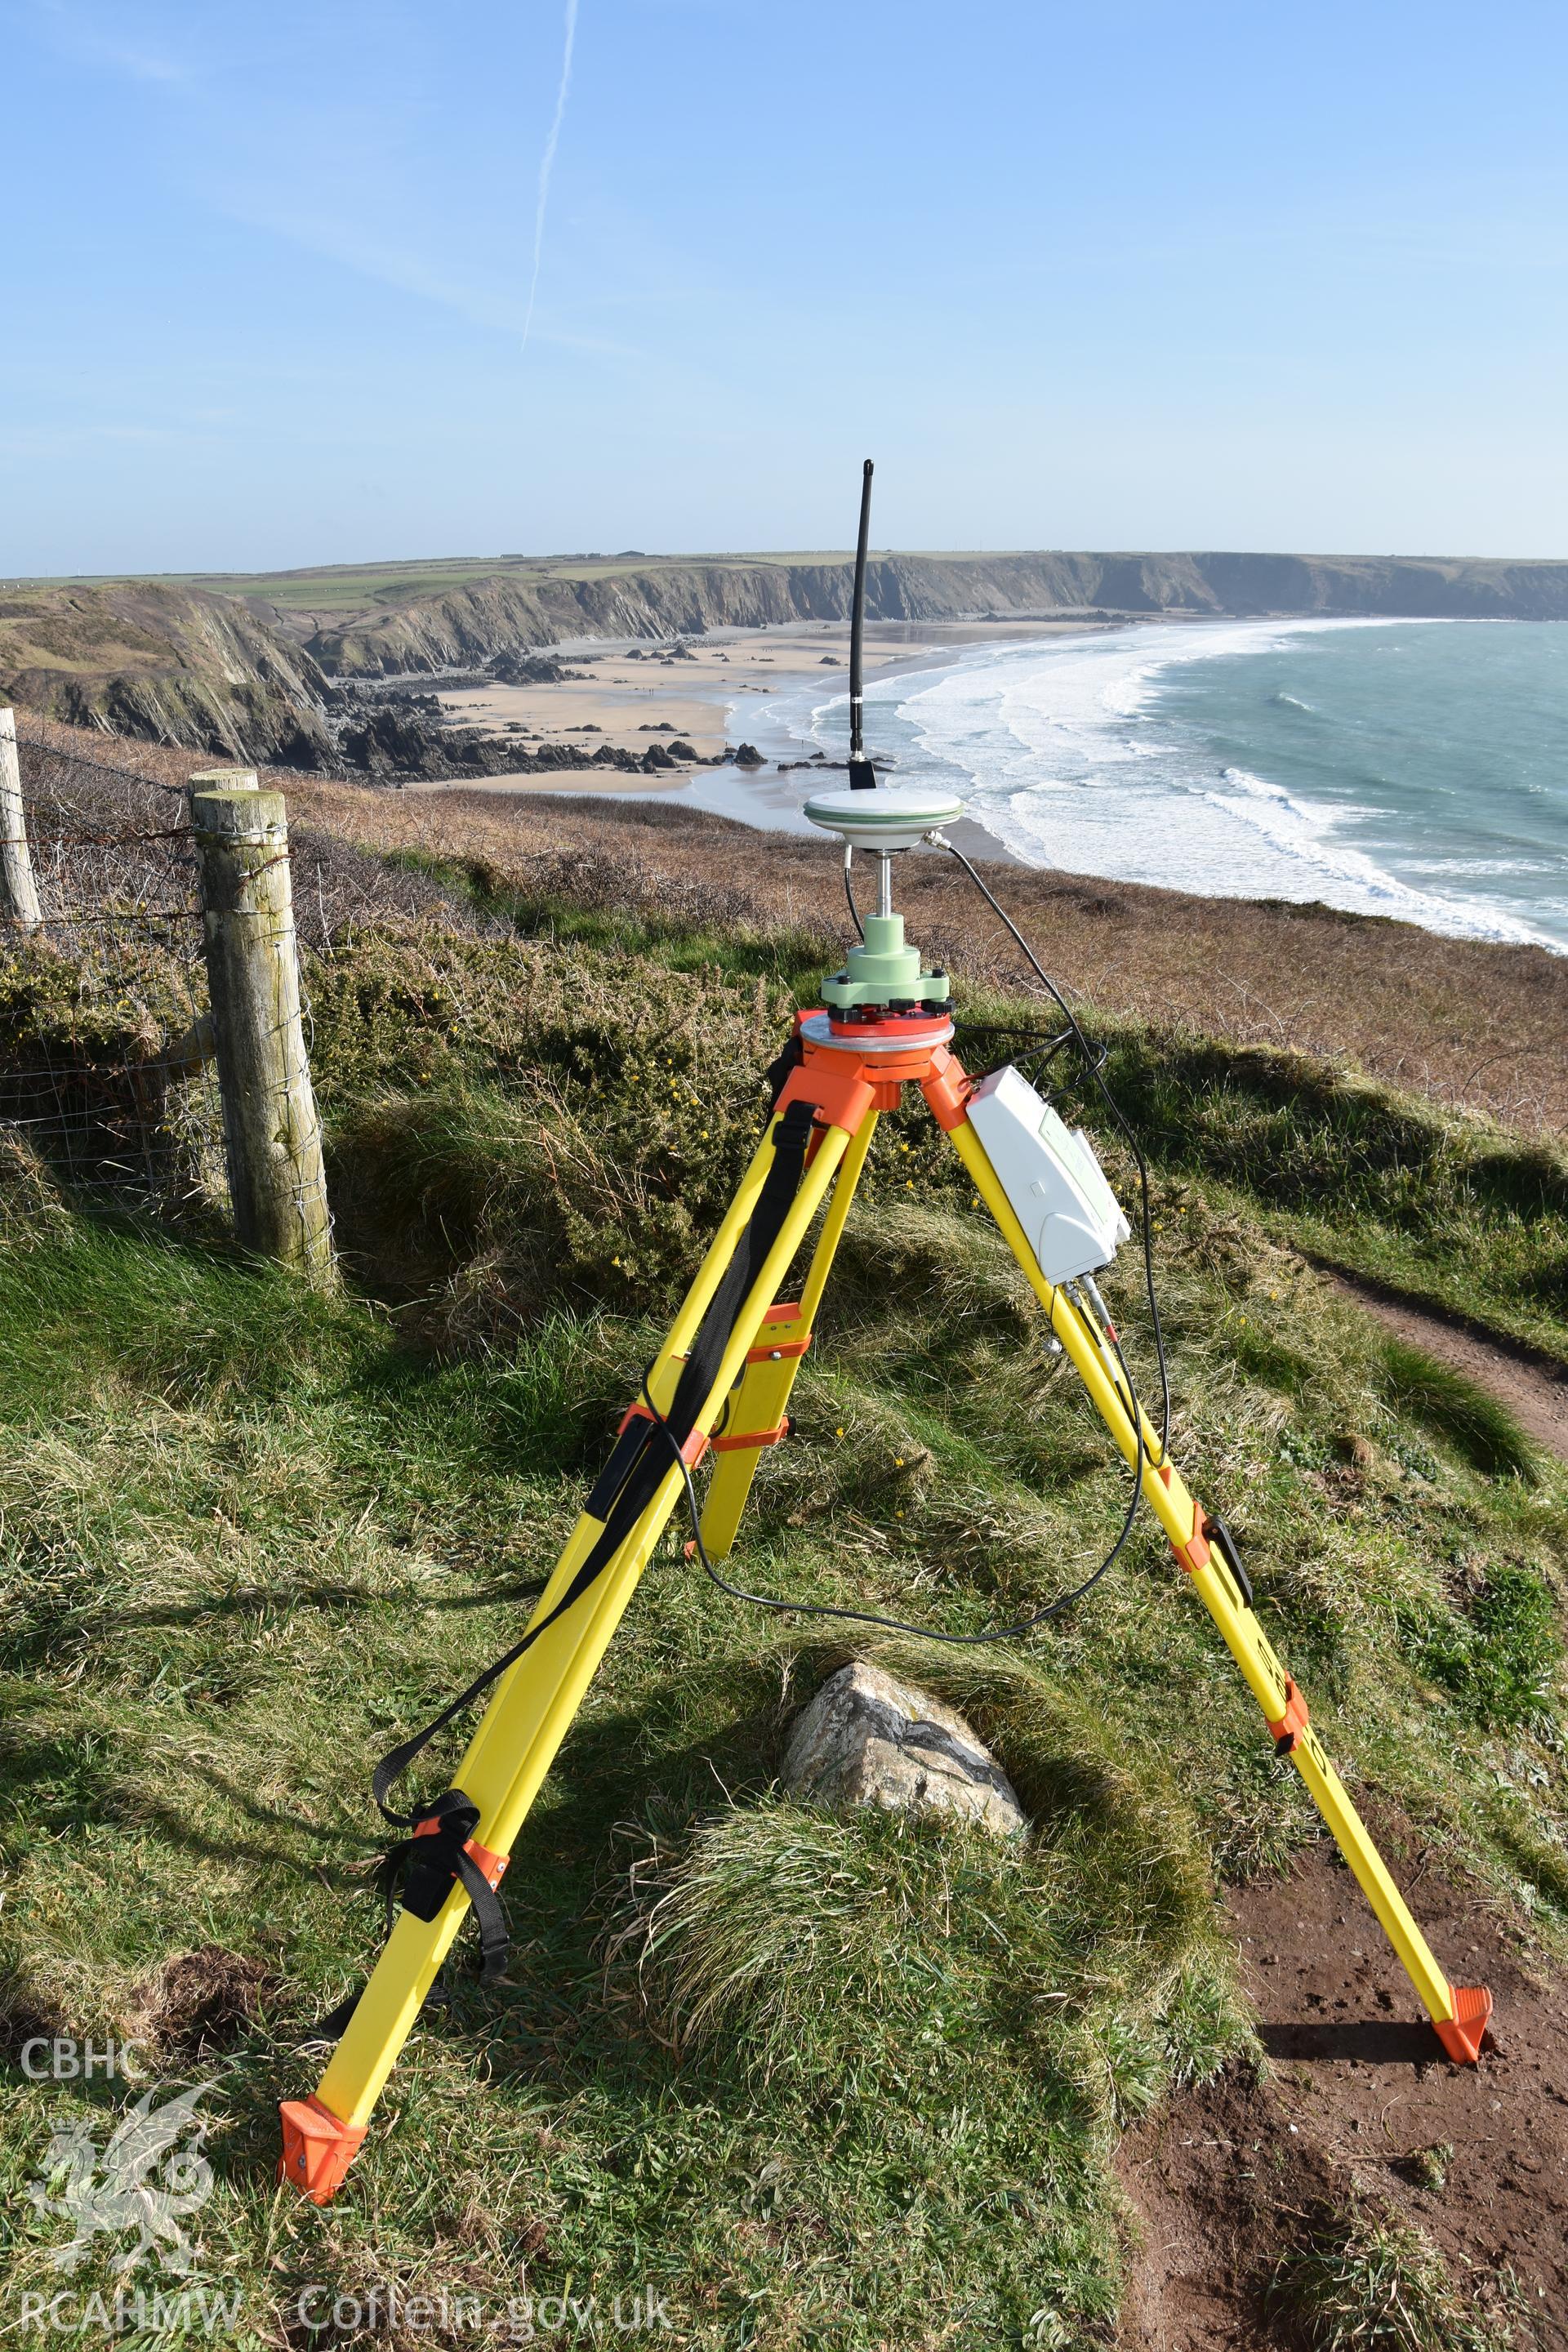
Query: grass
{"points": [[356, 588], [1451, 1211], [1454, 1407], [1363, 2281], [813, 2079]]}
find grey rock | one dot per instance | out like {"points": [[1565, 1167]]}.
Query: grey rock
{"points": [[866, 1739]]}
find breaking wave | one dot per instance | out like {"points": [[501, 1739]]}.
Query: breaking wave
{"points": [[1429, 786], [1081, 754]]}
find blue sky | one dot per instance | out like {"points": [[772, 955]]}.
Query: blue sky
{"points": [[1111, 275]]}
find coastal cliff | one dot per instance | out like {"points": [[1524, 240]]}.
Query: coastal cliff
{"points": [[174, 665], [219, 668], [453, 626]]}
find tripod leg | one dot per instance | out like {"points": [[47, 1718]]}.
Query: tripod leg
{"points": [[1459, 2013], [533, 1703], [756, 1412]]}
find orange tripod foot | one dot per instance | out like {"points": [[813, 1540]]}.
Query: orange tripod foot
{"points": [[317, 2149], [1462, 2034]]}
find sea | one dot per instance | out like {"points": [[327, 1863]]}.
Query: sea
{"points": [[1416, 768]]}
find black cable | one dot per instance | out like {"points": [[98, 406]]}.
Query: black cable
{"points": [[896, 1624], [1049, 1044], [1094, 1062], [849, 894]]}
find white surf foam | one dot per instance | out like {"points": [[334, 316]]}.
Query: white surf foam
{"points": [[1069, 766]]}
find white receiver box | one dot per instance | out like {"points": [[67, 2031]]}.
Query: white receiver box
{"points": [[1050, 1175]]}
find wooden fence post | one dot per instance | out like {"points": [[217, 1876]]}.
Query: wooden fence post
{"points": [[18, 891], [272, 1136], [223, 780]]}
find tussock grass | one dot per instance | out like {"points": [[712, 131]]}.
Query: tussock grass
{"points": [[845, 1954], [811, 1946], [1363, 2281]]}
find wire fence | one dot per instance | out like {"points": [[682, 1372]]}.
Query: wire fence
{"points": [[105, 1081]]}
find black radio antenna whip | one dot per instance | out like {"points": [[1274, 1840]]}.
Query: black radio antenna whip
{"points": [[862, 775]]}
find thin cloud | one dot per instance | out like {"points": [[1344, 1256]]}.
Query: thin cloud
{"points": [[139, 65], [82, 38], [401, 267], [548, 164]]}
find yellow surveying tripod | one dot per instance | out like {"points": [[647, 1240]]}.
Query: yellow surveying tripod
{"points": [[721, 1385]]}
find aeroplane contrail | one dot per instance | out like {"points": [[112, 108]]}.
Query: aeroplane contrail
{"points": [[548, 164]]}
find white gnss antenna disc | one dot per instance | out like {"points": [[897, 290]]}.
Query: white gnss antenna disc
{"points": [[887, 817]]}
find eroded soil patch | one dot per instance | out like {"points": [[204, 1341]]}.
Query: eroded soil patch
{"points": [[201, 2002], [1356, 2089]]}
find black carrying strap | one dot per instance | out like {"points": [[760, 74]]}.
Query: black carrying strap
{"points": [[780, 1070], [427, 1865]]}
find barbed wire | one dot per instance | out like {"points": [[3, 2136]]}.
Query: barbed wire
{"points": [[101, 1088], [119, 774], [105, 1085]]}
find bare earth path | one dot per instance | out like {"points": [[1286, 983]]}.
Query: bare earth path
{"points": [[1535, 1392]]}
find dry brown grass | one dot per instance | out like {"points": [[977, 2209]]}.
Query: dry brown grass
{"points": [[1475, 1026]]}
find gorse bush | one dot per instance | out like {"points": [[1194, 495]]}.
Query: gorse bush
{"points": [[1446, 1207], [1300, 1135], [576, 1130], [613, 1023]]}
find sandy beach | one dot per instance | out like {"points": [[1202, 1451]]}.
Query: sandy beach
{"points": [[636, 696]]}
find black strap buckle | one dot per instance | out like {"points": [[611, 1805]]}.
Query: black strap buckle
{"points": [[421, 1870]]}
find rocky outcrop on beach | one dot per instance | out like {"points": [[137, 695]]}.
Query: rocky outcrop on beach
{"points": [[393, 744], [178, 665], [532, 669]]}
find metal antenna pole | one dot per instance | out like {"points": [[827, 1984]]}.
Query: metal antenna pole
{"points": [[862, 775]]}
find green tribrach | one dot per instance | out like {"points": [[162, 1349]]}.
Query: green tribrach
{"points": [[884, 971]]}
